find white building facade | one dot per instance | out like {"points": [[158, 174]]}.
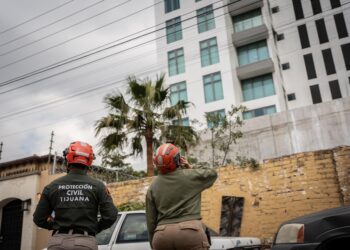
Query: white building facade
{"points": [[267, 55]]}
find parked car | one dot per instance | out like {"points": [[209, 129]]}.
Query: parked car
{"points": [[129, 232], [325, 230]]}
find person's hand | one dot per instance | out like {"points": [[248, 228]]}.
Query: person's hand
{"points": [[184, 163]]}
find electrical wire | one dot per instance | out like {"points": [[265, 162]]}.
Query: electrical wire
{"points": [[102, 58], [80, 22], [50, 24], [76, 57], [35, 17], [71, 39]]}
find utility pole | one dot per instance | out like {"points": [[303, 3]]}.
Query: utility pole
{"points": [[1, 149], [50, 148]]}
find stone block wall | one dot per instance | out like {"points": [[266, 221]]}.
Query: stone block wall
{"points": [[283, 188]]}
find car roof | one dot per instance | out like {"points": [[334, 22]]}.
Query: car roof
{"points": [[319, 223]]}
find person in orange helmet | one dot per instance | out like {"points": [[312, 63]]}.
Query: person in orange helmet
{"points": [[75, 200], [173, 202]]}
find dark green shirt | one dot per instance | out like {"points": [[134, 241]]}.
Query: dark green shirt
{"points": [[176, 197], [75, 200]]}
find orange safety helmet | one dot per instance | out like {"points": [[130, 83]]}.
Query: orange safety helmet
{"points": [[167, 158], [79, 152]]}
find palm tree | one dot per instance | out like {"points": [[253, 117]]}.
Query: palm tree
{"points": [[144, 116]]}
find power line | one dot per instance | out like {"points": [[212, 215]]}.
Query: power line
{"points": [[76, 57], [50, 24], [84, 20], [73, 38], [35, 17], [112, 46]]}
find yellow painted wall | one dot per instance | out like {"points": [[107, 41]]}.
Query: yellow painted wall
{"points": [[282, 189]]}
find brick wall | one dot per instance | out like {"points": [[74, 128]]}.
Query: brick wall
{"points": [[284, 188]]}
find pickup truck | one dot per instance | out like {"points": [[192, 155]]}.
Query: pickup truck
{"points": [[129, 232]]}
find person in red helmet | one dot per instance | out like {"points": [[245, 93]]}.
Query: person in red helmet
{"points": [[75, 200], [173, 202]]}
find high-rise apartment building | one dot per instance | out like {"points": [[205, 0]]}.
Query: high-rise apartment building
{"points": [[268, 55]]}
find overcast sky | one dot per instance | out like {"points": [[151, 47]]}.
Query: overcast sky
{"points": [[39, 33]]}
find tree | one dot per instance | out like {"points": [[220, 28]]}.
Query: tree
{"points": [[144, 116], [224, 130]]}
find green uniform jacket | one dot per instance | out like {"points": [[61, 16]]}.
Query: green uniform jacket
{"points": [[176, 197], [75, 200]]}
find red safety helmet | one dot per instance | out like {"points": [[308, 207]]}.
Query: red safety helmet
{"points": [[167, 158], [79, 152]]}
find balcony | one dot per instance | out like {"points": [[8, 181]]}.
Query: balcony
{"points": [[242, 6], [249, 36], [255, 69]]}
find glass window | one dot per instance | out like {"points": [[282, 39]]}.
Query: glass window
{"points": [[335, 89], [173, 30], [310, 66], [341, 25], [104, 237], [247, 20], [176, 62], [220, 113], [134, 229], [183, 122], [209, 52], [178, 92], [252, 53], [315, 94], [258, 87], [205, 19], [298, 9], [346, 54], [213, 87], [259, 112], [171, 5], [304, 37]]}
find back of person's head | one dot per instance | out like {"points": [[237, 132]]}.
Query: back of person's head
{"points": [[79, 155], [167, 158]]}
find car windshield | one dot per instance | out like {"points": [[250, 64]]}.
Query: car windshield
{"points": [[104, 237]]}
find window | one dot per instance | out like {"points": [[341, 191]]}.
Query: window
{"points": [[291, 97], [315, 94], [321, 31], [316, 6], [183, 122], [104, 237], [275, 9], [335, 89], [205, 19], [247, 20], [198, 1], [304, 38], [259, 112], [213, 87], [298, 9], [209, 52], [178, 92], [335, 4], [310, 66], [346, 54], [213, 115], [285, 66], [257, 87], [252, 53], [280, 37], [134, 229], [341, 26], [171, 5], [328, 61], [173, 30], [176, 62]]}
